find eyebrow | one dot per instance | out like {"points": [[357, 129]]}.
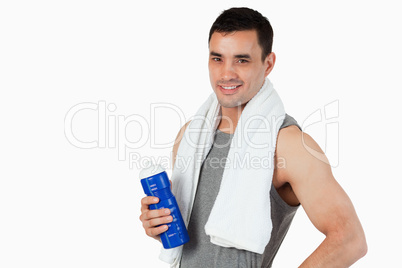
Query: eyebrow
{"points": [[243, 56], [239, 56], [215, 54]]}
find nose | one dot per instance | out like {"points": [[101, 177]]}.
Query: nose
{"points": [[228, 71]]}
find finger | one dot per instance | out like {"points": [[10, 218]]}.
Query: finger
{"points": [[156, 213], [148, 200], [158, 221], [152, 232]]}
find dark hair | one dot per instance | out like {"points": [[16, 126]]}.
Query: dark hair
{"points": [[242, 19]]}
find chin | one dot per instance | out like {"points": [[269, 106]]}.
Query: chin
{"points": [[229, 104]]}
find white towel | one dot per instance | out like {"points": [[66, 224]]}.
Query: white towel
{"points": [[241, 215]]}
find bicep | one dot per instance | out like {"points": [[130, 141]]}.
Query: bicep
{"points": [[309, 173]]}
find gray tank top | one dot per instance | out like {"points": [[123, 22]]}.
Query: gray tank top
{"points": [[199, 251]]}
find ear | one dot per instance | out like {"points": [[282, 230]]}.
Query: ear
{"points": [[269, 62]]}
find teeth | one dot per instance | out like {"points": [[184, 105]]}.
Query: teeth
{"points": [[233, 87]]}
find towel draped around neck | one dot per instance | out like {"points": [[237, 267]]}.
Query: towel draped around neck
{"points": [[241, 214]]}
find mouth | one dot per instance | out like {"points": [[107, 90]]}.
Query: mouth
{"points": [[229, 89]]}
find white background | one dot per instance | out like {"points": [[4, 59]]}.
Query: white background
{"points": [[64, 206]]}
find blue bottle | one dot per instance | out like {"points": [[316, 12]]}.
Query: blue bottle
{"points": [[155, 182]]}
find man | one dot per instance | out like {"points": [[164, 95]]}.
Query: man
{"points": [[240, 59]]}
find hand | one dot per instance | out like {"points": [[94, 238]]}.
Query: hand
{"points": [[154, 221]]}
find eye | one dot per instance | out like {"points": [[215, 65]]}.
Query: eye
{"points": [[242, 61], [216, 59]]}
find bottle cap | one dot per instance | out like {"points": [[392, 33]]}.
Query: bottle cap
{"points": [[150, 170]]}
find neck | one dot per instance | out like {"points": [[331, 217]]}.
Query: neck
{"points": [[230, 117]]}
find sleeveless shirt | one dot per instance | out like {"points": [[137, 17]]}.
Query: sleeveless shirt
{"points": [[199, 251]]}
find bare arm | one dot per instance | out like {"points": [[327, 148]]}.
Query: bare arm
{"points": [[325, 202]]}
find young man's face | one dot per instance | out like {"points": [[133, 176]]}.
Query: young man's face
{"points": [[236, 70]]}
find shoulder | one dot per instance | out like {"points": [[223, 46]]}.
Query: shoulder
{"points": [[178, 140], [299, 155], [289, 139], [180, 134]]}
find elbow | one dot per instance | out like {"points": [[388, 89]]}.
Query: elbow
{"points": [[363, 247], [359, 242], [355, 245], [351, 245], [358, 247]]}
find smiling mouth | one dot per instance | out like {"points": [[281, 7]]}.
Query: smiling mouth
{"points": [[229, 90], [231, 87]]}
